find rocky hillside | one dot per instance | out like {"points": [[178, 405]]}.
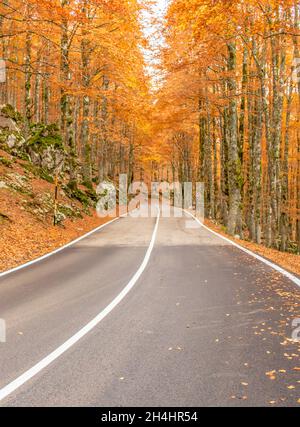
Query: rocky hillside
{"points": [[28, 166]]}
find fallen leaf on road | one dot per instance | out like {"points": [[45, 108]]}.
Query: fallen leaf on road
{"points": [[271, 375]]}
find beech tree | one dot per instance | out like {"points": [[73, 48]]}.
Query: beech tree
{"points": [[80, 64], [231, 85]]}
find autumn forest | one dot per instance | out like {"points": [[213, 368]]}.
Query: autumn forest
{"points": [[212, 96]]}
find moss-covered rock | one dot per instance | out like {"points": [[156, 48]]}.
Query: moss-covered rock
{"points": [[10, 112], [44, 136], [76, 193], [69, 211], [45, 146], [38, 172]]}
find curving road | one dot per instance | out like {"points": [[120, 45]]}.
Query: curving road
{"points": [[202, 323]]}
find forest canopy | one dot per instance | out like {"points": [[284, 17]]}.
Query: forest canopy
{"points": [[222, 106]]}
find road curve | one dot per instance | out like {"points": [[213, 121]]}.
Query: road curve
{"points": [[205, 324]]}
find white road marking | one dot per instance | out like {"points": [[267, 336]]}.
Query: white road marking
{"points": [[247, 251], [30, 373]]}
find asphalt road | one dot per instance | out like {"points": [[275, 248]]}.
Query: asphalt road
{"points": [[204, 325]]}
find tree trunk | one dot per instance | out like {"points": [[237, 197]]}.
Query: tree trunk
{"points": [[234, 165], [66, 101], [28, 76]]}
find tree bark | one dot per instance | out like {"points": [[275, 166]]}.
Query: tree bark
{"points": [[234, 166]]}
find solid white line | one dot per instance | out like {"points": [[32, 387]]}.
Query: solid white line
{"points": [[30, 373], [247, 251], [27, 264]]}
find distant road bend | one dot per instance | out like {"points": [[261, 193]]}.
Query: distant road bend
{"points": [[148, 312]]}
